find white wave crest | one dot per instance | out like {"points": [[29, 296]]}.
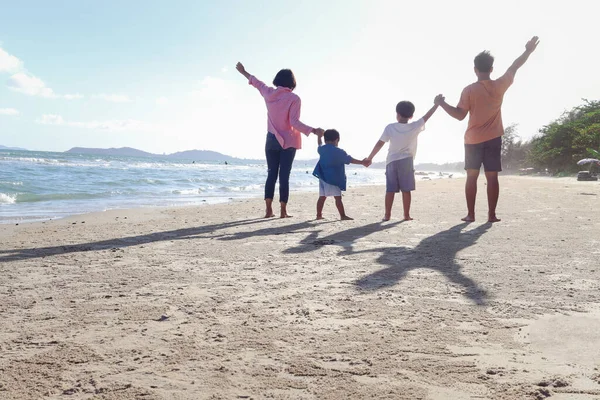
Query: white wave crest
{"points": [[8, 198]]}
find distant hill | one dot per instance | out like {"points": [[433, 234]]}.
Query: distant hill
{"points": [[12, 148], [447, 167], [195, 155], [204, 155], [120, 152]]}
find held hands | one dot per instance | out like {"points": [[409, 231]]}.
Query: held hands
{"points": [[319, 132], [532, 44], [366, 162], [439, 100]]}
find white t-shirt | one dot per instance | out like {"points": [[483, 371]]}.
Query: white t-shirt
{"points": [[403, 139]]}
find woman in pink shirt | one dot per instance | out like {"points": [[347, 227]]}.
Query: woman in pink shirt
{"points": [[283, 137]]}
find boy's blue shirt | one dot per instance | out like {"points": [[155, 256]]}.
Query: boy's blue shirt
{"points": [[331, 165]]}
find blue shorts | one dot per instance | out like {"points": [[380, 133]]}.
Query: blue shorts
{"points": [[400, 176], [487, 153]]}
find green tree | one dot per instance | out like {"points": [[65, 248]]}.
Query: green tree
{"points": [[565, 141], [514, 150]]}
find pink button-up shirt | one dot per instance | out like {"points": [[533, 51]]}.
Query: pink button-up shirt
{"points": [[283, 113]]}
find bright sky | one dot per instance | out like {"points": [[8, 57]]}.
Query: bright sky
{"points": [[160, 76]]}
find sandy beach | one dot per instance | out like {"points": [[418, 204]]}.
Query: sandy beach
{"points": [[212, 302]]}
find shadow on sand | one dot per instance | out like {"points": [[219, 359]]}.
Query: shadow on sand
{"points": [[177, 234], [345, 239], [437, 252]]}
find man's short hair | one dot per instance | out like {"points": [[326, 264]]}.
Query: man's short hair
{"points": [[484, 61], [285, 78], [331, 135], [405, 109]]}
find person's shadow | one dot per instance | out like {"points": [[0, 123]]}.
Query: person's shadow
{"points": [[344, 239], [437, 252], [122, 242]]}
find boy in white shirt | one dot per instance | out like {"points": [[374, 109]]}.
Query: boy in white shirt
{"points": [[399, 170]]}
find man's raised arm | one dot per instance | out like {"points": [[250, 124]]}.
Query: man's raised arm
{"points": [[529, 48]]}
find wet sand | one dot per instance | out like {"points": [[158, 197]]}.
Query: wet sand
{"points": [[214, 303]]}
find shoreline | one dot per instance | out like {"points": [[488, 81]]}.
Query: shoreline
{"points": [[223, 200]]}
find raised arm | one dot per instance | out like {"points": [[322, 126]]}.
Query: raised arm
{"points": [[264, 90], [519, 62], [436, 103], [240, 67]]}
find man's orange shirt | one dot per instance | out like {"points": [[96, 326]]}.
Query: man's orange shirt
{"points": [[483, 101]]}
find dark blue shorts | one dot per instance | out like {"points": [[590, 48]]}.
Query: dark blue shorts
{"points": [[487, 153], [400, 176]]}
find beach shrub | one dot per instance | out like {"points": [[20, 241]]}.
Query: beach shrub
{"points": [[514, 150], [565, 141]]}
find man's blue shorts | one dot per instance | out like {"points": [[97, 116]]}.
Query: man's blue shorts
{"points": [[400, 176]]}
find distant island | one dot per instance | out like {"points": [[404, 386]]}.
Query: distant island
{"points": [[200, 155], [214, 156], [12, 148]]}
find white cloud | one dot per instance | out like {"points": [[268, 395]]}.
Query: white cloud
{"points": [[9, 63], [161, 101], [51, 119], [9, 111], [75, 96], [114, 125], [30, 85], [26, 83], [216, 89], [225, 69], [115, 98]]}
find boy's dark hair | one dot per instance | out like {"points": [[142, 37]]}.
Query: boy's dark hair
{"points": [[331, 135], [285, 78], [406, 109], [484, 61]]}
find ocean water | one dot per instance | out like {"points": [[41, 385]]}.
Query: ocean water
{"points": [[43, 185]]}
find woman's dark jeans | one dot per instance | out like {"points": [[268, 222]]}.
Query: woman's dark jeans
{"points": [[279, 162]]}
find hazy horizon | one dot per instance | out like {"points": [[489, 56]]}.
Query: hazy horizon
{"points": [[82, 75]]}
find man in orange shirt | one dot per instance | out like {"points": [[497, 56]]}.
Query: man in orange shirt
{"points": [[482, 100]]}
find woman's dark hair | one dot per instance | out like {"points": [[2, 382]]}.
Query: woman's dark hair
{"points": [[285, 78]]}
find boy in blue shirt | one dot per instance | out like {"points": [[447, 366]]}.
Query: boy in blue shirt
{"points": [[331, 172]]}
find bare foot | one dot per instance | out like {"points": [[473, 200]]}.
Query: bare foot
{"points": [[283, 213], [347, 218], [407, 218], [387, 217], [320, 217], [468, 218], [493, 218], [269, 208]]}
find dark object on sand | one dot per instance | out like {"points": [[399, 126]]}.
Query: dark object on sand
{"points": [[586, 176], [526, 171]]}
